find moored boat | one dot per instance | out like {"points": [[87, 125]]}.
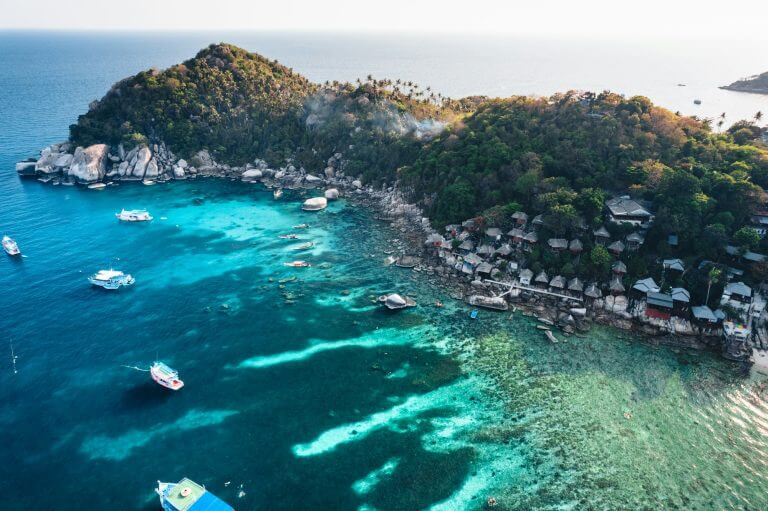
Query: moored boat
{"points": [[289, 236], [165, 376], [97, 186], [10, 246], [187, 495], [111, 279], [134, 215], [298, 264], [301, 226], [303, 246]]}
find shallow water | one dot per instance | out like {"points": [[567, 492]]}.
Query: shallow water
{"points": [[305, 394]]}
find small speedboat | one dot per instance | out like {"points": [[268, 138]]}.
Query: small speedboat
{"points": [[301, 226], [111, 279], [97, 186], [165, 376], [10, 246], [187, 495], [134, 215], [696, 101], [298, 264], [474, 314], [289, 236], [303, 246], [277, 193]]}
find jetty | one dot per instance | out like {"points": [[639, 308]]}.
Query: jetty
{"points": [[512, 286]]}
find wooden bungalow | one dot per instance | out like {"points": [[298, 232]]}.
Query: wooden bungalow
{"points": [[616, 287], [702, 316], [602, 236], [575, 285], [516, 235], [520, 218], [575, 246], [493, 234], [530, 239], [635, 240], [484, 270], [616, 248], [541, 280], [484, 250], [623, 210], [557, 244], [525, 277], [557, 282], [466, 246], [673, 265], [593, 291], [503, 251], [538, 221], [619, 268]]}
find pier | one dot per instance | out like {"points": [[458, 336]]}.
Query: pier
{"points": [[515, 285]]}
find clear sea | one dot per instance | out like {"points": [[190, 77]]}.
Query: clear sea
{"points": [[301, 393]]}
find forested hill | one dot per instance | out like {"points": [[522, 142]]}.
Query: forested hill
{"points": [[757, 84], [226, 99], [560, 156]]}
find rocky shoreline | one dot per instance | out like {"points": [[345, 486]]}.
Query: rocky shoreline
{"points": [[63, 164]]}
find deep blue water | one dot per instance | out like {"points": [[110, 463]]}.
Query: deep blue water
{"points": [[304, 394]]}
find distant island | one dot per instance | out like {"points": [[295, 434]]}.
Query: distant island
{"points": [[757, 84]]}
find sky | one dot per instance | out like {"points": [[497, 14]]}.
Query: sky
{"points": [[706, 19]]}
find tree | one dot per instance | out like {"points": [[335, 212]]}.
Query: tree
{"points": [[600, 259], [747, 238], [713, 277]]}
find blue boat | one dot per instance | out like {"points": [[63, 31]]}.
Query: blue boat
{"points": [[187, 495], [473, 314]]}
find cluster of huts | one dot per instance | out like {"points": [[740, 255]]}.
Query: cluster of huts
{"points": [[479, 252]]}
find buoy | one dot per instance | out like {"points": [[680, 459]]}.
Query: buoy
{"points": [[186, 491]]}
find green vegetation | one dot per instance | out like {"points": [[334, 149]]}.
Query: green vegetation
{"points": [[560, 156]]}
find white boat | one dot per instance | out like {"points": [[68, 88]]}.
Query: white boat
{"points": [[97, 186], [165, 376], [148, 182], [10, 246], [134, 215], [111, 279], [289, 236], [315, 204], [298, 264], [301, 226], [277, 193], [303, 246]]}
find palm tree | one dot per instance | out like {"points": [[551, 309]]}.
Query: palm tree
{"points": [[712, 278], [758, 116]]}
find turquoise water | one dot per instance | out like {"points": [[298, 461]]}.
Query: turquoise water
{"points": [[304, 394]]}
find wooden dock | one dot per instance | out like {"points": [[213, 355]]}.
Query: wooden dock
{"points": [[515, 285]]}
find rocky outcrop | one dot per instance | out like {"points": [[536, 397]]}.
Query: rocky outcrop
{"points": [[89, 164]]}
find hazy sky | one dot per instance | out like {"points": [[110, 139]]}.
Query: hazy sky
{"points": [[687, 18]]}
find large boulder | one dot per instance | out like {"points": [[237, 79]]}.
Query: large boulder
{"points": [[152, 169], [143, 156], [252, 174], [332, 194], [89, 164], [178, 171], [63, 161], [182, 164], [203, 160]]}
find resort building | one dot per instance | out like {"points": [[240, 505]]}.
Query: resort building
{"points": [[623, 210]]}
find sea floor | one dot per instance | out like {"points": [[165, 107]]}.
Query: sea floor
{"points": [[302, 393]]}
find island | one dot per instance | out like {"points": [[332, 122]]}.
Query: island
{"points": [[757, 84], [580, 206]]}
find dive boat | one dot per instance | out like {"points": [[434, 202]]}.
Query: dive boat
{"points": [[298, 264], [165, 376], [134, 215], [277, 193], [303, 246], [187, 495], [111, 279], [10, 246], [289, 236]]}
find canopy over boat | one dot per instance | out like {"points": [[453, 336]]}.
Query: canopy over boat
{"points": [[165, 376], [187, 495]]}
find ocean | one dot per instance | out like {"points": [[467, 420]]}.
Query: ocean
{"points": [[300, 392]]}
